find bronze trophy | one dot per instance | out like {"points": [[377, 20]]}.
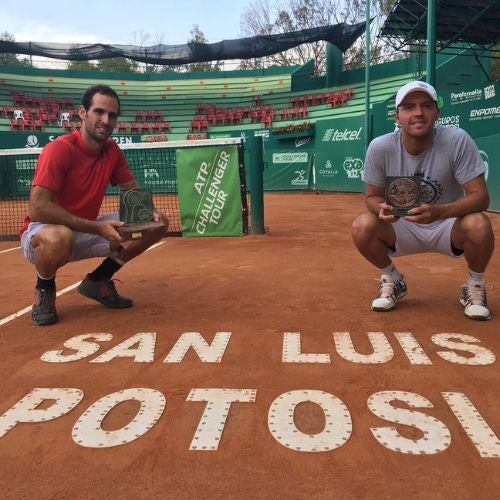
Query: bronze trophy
{"points": [[403, 193], [136, 211]]}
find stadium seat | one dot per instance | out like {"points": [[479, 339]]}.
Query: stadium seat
{"points": [[65, 117], [139, 115], [16, 123], [122, 126], [66, 124], [161, 126], [7, 110], [145, 126], [37, 125], [284, 113], [18, 98], [195, 124], [267, 121]]}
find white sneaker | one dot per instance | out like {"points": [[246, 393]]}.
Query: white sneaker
{"points": [[389, 294], [473, 298]]}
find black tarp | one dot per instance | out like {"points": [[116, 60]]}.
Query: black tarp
{"points": [[341, 35]]}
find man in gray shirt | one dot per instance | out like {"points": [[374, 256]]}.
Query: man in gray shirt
{"points": [[450, 219]]}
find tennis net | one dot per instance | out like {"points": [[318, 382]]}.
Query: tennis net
{"points": [[153, 164]]}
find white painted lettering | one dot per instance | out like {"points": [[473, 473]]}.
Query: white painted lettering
{"points": [[209, 431], [29, 408], [88, 431], [207, 353], [292, 351], [382, 350], [337, 430], [80, 345], [435, 436], [144, 353], [480, 433], [481, 355]]}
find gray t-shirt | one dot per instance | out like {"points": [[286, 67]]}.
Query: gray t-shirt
{"points": [[451, 161]]}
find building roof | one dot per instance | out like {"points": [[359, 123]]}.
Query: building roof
{"points": [[474, 24]]}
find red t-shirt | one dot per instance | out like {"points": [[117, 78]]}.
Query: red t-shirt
{"points": [[78, 175]]}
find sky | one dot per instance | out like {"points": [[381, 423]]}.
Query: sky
{"points": [[135, 22]]}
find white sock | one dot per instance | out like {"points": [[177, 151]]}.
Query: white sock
{"points": [[474, 278], [392, 272], [45, 278]]}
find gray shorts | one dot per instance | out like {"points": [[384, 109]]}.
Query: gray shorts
{"points": [[86, 245], [422, 238]]}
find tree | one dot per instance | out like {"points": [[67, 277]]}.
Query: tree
{"points": [[262, 18], [81, 66], [197, 36], [117, 64], [12, 59]]}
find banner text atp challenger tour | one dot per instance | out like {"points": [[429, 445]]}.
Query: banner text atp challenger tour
{"points": [[209, 191]]}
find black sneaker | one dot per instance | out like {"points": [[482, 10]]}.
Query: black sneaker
{"points": [[44, 311], [104, 292]]}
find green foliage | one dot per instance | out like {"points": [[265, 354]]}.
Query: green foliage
{"points": [[197, 36], [81, 66], [12, 59], [264, 17], [118, 64]]}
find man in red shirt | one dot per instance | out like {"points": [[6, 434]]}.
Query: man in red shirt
{"points": [[70, 181]]}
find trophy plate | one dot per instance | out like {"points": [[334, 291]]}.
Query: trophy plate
{"points": [[136, 230], [136, 211], [403, 193]]}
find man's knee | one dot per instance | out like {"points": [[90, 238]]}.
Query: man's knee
{"points": [[54, 238], [476, 227], [365, 223]]}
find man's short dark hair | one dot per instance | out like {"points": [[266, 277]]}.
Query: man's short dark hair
{"points": [[89, 94]]}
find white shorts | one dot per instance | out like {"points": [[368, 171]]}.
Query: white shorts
{"points": [[422, 238], [86, 245]]}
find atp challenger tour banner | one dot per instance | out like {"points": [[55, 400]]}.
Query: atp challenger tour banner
{"points": [[209, 191]]}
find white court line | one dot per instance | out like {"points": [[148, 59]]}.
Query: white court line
{"points": [[9, 249], [61, 292], [155, 245], [28, 309]]}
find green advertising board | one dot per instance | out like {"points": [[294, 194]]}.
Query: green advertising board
{"points": [[209, 191], [340, 154], [288, 163], [490, 153], [9, 140], [475, 109]]}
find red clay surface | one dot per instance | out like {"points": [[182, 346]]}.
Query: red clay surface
{"points": [[303, 276]]}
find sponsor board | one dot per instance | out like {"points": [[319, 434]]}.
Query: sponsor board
{"points": [[465, 96], [339, 135], [291, 157]]}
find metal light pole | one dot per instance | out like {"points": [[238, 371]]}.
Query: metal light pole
{"points": [[367, 77], [431, 42]]}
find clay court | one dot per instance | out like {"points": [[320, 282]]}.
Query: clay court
{"points": [[293, 401]]}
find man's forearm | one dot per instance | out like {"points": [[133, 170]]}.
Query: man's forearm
{"points": [[51, 213]]}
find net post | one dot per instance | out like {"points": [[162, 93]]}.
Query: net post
{"points": [[256, 167]]}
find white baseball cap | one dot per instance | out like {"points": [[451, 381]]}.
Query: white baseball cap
{"points": [[416, 86]]}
